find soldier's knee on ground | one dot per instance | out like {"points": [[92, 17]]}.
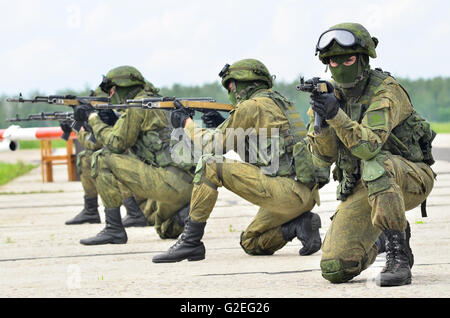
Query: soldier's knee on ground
{"points": [[168, 229], [250, 246], [338, 271]]}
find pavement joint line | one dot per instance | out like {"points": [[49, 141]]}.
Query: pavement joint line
{"points": [[96, 255], [302, 271], [39, 206], [267, 273]]}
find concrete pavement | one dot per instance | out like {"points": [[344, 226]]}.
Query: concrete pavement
{"points": [[42, 257]]}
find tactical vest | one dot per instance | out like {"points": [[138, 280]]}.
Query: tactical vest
{"points": [[295, 158], [410, 139]]}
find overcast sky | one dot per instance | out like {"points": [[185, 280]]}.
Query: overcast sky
{"points": [[52, 45]]}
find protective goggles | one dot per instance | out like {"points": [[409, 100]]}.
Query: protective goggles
{"points": [[342, 37], [106, 84], [224, 70]]}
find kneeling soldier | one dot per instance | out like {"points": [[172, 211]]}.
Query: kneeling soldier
{"points": [[269, 181], [382, 151]]}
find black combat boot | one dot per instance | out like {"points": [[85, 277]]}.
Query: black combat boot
{"points": [[134, 216], [187, 247], [397, 270], [182, 215], [306, 228], [381, 244], [408, 247], [89, 214], [113, 233]]}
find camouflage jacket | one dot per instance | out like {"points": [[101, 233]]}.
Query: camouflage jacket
{"points": [[260, 116], [146, 133], [362, 128]]}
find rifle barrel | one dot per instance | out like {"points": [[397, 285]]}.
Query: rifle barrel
{"points": [[196, 104]]}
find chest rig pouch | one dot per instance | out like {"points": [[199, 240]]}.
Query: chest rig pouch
{"points": [[412, 140]]}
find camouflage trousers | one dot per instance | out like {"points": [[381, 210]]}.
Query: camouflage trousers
{"points": [[84, 170], [166, 189], [280, 199], [348, 247]]}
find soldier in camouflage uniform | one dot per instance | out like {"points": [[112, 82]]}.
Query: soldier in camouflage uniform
{"points": [[136, 154], [382, 151], [90, 213], [284, 201]]}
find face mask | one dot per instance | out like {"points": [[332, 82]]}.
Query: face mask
{"points": [[232, 93], [242, 90], [350, 76], [232, 97], [121, 94], [344, 74]]}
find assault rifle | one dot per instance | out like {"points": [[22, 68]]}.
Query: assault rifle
{"points": [[314, 86], [202, 104], [56, 116], [66, 100]]}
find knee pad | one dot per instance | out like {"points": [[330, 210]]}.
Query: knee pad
{"points": [[338, 271]]}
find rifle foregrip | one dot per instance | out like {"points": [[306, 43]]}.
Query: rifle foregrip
{"points": [[317, 123]]}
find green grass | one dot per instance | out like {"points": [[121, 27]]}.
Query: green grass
{"points": [[9, 240], [35, 144], [9, 171], [441, 128]]}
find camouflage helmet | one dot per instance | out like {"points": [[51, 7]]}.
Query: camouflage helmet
{"points": [[246, 70], [363, 43], [122, 76]]}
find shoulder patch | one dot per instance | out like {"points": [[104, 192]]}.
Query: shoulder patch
{"points": [[376, 118]]}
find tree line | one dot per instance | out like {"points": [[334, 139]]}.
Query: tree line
{"points": [[431, 98]]}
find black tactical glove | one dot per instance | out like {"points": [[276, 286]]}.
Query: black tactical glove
{"points": [[212, 119], [108, 116], [179, 116], [66, 127], [325, 104], [81, 112]]}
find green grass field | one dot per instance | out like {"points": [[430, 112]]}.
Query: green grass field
{"points": [[35, 144], [9, 171], [441, 128]]}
